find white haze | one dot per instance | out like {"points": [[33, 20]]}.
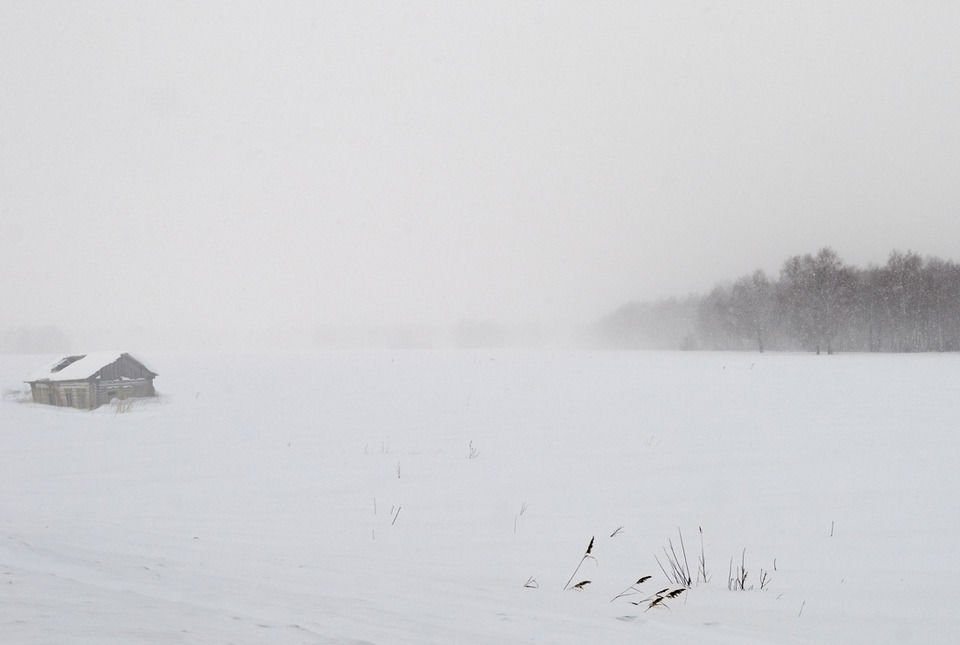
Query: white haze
{"points": [[193, 173]]}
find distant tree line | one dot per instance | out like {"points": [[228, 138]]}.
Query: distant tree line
{"points": [[818, 303]]}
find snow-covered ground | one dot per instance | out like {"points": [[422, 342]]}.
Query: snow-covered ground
{"points": [[407, 497]]}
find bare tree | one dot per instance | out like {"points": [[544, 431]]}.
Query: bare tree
{"points": [[817, 292], [753, 307]]}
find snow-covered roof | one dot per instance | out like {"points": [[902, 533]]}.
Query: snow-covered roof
{"points": [[76, 367]]}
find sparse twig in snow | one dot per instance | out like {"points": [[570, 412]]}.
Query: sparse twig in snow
{"points": [[516, 518]]}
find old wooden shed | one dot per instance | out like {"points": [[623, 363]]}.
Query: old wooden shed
{"points": [[87, 381]]}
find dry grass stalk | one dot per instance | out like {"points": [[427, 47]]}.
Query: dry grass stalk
{"points": [[586, 556], [737, 579], [632, 589], [702, 569], [764, 579], [679, 567], [659, 599]]}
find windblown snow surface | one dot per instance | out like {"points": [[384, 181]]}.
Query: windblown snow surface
{"points": [[409, 497]]}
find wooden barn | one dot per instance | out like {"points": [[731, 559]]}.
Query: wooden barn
{"points": [[87, 381]]}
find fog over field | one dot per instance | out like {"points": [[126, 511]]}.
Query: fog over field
{"points": [[231, 174]]}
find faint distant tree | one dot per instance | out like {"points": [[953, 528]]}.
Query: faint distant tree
{"points": [[873, 319], [903, 291], [793, 298], [738, 316], [952, 307], [664, 324], [857, 329], [816, 293], [942, 288], [714, 319], [752, 307]]}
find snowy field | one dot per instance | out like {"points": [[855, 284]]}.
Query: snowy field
{"points": [[408, 497]]}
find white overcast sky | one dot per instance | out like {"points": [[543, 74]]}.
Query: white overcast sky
{"points": [[248, 165]]}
